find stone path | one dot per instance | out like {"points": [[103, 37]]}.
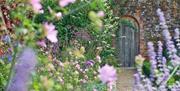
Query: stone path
{"points": [[125, 79]]}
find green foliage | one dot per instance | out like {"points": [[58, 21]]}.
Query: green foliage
{"points": [[65, 77], [105, 37], [94, 85], [129, 24], [76, 18], [146, 68], [171, 81], [173, 78], [4, 74]]}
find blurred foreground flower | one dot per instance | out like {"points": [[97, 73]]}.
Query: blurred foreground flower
{"points": [[20, 78], [37, 7], [107, 74], [51, 33], [64, 3], [96, 19]]}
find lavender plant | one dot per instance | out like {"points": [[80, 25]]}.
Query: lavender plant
{"points": [[164, 62], [25, 65]]}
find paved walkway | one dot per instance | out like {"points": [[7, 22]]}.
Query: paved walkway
{"points": [[125, 79]]}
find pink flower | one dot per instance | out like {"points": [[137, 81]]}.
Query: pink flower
{"points": [[100, 14], [58, 15], [78, 66], [41, 43], [37, 7], [34, 1], [107, 74], [51, 33], [98, 58], [64, 3], [71, 1]]}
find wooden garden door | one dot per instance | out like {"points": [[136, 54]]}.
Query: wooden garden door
{"points": [[128, 41]]}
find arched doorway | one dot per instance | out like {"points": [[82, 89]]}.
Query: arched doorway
{"points": [[127, 41]]}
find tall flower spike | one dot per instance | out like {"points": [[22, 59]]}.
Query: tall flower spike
{"points": [[176, 33], [160, 50], [153, 61], [177, 39], [170, 45], [22, 71]]}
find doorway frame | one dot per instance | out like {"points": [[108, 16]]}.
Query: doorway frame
{"points": [[137, 26]]}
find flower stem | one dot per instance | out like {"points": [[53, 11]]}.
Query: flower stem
{"points": [[11, 69], [175, 69]]}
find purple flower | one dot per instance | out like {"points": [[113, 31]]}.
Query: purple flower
{"points": [[176, 33], [153, 61], [170, 45], [89, 63], [151, 53], [175, 60], [25, 64], [10, 58], [137, 79], [160, 70], [160, 50], [107, 74], [7, 39]]}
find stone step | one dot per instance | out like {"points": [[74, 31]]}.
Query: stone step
{"points": [[125, 79]]}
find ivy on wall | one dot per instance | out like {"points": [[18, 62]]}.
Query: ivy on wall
{"points": [[128, 23]]}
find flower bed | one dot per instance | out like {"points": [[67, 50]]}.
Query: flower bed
{"points": [[50, 53], [161, 71]]}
